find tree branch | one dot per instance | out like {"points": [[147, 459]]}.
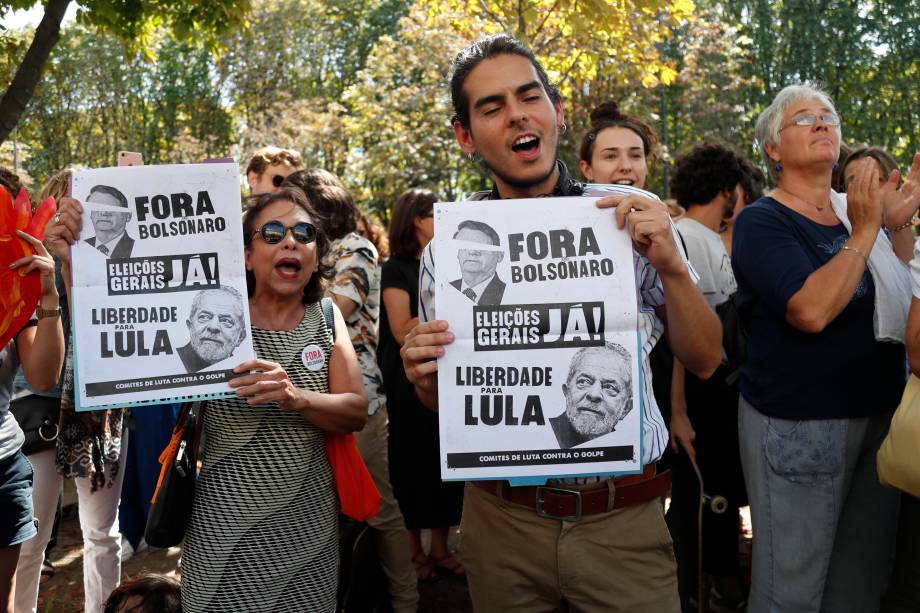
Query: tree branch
{"points": [[17, 96], [546, 16]]}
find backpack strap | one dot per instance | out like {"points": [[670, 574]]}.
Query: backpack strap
{"points": [[328, 315]]}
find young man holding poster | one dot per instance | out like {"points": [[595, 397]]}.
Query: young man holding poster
{"points": [[519, 554]]}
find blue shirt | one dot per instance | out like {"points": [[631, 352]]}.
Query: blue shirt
{"points": [[841, 371]]}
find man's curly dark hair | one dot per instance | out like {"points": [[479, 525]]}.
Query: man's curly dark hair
{"points": [[704, 172]]}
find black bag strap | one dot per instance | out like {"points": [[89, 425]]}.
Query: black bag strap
{"points": [[328, 315]]}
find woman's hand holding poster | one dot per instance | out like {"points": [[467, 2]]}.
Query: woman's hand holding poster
{"points": [[543, 378], [159, 288]]}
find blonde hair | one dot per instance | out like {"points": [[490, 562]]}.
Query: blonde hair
{"points": [[57, 185]]}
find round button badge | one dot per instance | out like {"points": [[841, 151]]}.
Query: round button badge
{"points": [[313, 357]]}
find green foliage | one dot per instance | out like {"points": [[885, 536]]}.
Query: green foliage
{"points": [[286, 74], [137, 22], [865, 54], [399, 127], [92, 103], [360, 86]]}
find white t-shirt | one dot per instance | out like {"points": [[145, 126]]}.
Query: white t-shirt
{"points": [[710, 260]]}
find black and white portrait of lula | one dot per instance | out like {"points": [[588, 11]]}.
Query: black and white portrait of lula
{"points": [[598, 394], [216, 327]]}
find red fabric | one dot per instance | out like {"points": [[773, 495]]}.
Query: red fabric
{"points": [[358, 496], [21, 291]]}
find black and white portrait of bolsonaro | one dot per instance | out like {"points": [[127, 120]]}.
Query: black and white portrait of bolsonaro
{"points": [[478, 280], [111, 236]]}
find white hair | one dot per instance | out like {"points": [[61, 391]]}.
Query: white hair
{"points": [[770, 120]]}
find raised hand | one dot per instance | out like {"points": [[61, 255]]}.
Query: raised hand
{"points": [[63, 230], [40, 262], [900, 204], [864, 197]]}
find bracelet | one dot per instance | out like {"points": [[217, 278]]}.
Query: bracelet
{"points": [[43, 313], [856, 251], [903, 226]]}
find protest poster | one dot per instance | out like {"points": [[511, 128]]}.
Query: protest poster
{"points": [[159, 290], [543, 377]]}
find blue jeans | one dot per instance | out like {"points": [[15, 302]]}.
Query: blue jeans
{"points": [[824, 528], [16, 521]]}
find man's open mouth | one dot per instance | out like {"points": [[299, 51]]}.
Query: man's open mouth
{"points": [[525, 143]]}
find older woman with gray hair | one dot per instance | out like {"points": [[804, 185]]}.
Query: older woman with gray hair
{"points": [[823, 290]]}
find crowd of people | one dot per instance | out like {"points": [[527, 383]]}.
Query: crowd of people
{"points": [[810, 277]]}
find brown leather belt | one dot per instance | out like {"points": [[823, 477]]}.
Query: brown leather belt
{"points": [[572, 502]]}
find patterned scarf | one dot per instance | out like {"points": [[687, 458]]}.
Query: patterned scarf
{"points": [[88, 444]]}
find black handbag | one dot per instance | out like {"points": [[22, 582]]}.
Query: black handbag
{"points": [[38, 418], [171, 506]]}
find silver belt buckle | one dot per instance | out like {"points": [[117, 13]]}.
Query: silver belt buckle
{"points": [[542, 489]]}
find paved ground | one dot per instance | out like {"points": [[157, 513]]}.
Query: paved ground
{"points": [[64, 592]]}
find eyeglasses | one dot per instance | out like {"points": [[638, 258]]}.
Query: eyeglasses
{"points": [[274, 232], [277, 180], [811, 119]]}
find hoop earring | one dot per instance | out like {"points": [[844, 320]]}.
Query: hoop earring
{"points": [[564, 127], [471, 156]]}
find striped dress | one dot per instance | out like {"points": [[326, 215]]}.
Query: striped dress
{"points": [[263, 533]]}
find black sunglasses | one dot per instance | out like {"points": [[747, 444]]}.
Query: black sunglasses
{"points": [[277, 180], [273, 232]]}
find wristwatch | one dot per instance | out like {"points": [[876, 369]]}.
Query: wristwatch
{"points": [[41, 313]]}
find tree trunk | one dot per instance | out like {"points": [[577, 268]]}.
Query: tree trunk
{"points": [[17, 96]]}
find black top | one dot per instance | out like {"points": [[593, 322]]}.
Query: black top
{"points": [[402, 273], [839, 372], [565, 186]]}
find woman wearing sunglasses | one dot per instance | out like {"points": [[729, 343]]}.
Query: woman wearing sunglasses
{"points": [[823, 290], [263, 533]]}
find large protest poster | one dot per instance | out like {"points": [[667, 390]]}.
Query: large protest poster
{"points": [[159, 290], [543, 378]]}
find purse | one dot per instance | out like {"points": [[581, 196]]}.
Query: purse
{"points": [[358, 495], [171, 505], [38, 417], [898, 458]]}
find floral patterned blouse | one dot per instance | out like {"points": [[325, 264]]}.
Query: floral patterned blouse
{"points": [[357, 277]]}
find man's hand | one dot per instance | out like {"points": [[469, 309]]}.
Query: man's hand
{"points": [[649, 226], [682, 434], [424, 344]]}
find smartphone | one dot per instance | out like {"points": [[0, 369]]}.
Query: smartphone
{"points": [[130, 158]]}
